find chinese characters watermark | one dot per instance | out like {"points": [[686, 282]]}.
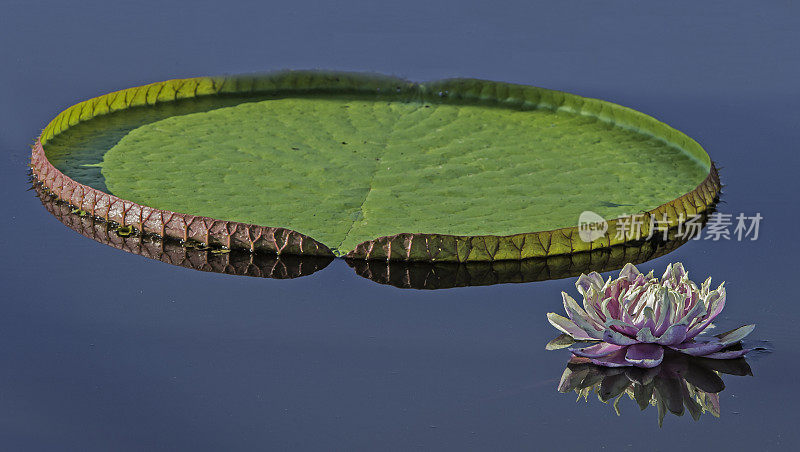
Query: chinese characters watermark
{"points": [[718, 226]]}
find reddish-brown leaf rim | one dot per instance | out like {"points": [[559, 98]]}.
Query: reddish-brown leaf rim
{"points": [[401, 247]]}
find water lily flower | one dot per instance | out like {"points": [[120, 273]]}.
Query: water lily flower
{"points": [[633, 318]]}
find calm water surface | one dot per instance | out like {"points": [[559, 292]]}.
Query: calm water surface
{"points": [[106, 350]]}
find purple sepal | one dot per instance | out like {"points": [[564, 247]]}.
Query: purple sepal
{"points": [[699, 347], [616, 359], [645, 355], [674, 335], [730, 354], [595, 351]]}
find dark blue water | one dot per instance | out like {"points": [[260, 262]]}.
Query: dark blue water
{"points": [[104, 350]]}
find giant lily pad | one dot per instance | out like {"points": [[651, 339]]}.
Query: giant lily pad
{"points": [[371, 167]]}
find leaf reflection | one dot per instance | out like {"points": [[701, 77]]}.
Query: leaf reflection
{"points": [[188, 255]]}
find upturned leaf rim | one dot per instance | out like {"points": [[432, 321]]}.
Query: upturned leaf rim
{"points": [[398, 247]]}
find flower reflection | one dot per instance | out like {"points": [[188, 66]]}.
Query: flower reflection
{"points": [[680, 384]]}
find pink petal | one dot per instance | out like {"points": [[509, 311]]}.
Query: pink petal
{"points": [[629, 272], [567, 326], [717, 305], [674, 335]]}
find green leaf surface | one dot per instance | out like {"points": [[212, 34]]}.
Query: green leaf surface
{"points": [[376, 157]]}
